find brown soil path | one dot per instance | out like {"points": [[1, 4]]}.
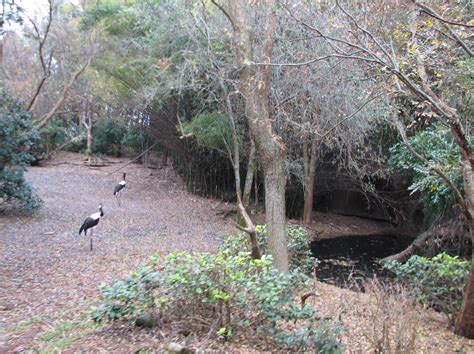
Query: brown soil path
{"points": [[48, 273]]}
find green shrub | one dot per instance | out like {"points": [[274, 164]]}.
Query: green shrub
{"points": [[78, 144], [133, 139], [437, 145], [234, 292], [16, 139], [437, 281], [299, 250]]}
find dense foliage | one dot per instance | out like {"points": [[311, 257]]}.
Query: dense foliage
{"points": [[16, 138], [437, 281], [108, 136], [437, 145], [235, 293], [299, 250], [60, 134], [210, 129]]}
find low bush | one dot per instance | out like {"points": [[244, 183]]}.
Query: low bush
{"points": [[222, 294], [52, 135], [437, 281], [299, 250]]}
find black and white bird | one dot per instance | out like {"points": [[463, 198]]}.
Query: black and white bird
{"points": [[119, 188], [91, 222]]}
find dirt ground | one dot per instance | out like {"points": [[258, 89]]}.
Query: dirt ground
{"points": [[49, 278], [48, 272]]}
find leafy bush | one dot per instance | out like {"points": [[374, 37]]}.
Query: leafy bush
{"points": [[437, 282], [133, 139], [236, 293], [299, 250], [437, 145], [78, 144], [16, 138]]}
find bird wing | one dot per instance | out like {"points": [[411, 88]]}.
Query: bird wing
{"points": [[88, 223], [118, 188]]}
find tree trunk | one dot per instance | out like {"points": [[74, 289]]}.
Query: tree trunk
{"points": [[254, 86], [404, 255], [164, 158], [309, 178], [87, 123], [249, 228], [251, 166], [465, 322], [233, 151], [90, 139], [275, 212]]}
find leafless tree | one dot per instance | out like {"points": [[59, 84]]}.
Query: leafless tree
{"points": [[329, 107], [62, 56]]}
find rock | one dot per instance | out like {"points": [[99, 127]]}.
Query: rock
{"points": [[174, 347], [147, 321], [184, 332]]}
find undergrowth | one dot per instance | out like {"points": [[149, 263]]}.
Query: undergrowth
{"points": [[437, 282], [221, 296], [299, 250]]}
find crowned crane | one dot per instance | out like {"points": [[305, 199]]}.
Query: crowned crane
{"points": [[118, 189], [91, 221]]}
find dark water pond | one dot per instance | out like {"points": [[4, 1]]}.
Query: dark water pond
{"points": [[348, 261]]}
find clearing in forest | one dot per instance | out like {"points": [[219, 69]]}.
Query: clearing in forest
{"points": [[49, 275]]}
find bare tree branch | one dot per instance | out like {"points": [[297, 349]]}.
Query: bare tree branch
{"points": [[367, 33], [46, 117], [351, 115], [225, 13], [430, 12], [45, 66]]}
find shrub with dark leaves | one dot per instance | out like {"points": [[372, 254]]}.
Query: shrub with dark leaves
{"points": [[16, 138]]}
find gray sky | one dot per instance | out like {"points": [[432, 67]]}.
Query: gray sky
{"points": [[33, 7]]}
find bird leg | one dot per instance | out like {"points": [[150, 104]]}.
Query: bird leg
{"points": [[117, 197], [92, 233]]}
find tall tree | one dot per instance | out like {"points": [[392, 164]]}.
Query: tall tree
{"points": [[255, 82]]}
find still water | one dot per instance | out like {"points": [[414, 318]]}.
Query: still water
{"points": [[348, 261]]}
